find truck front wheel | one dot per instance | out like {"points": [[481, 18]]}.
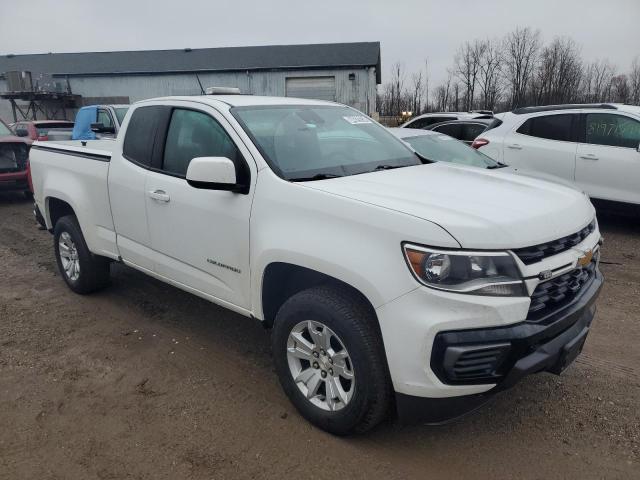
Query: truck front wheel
{"points": [[82, 271], [330, 360]]}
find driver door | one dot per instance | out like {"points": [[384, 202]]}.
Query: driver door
{"points": [[200, 237]]}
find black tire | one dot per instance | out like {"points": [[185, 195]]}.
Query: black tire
{"points": [[351, 319], [94, 270]]}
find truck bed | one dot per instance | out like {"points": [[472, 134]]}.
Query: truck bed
{"points": [[78, 175]]}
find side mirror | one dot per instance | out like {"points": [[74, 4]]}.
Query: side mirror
{"points": [[21, 132], [100, 128], [214, 173]]}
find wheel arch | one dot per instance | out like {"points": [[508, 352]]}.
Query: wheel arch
{"points": [[281, 280], [56, 208]]}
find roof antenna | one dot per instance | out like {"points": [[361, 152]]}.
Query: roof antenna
{"points": [[200, 83]]}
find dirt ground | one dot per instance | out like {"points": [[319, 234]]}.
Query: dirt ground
{"points": [[144, 381]]}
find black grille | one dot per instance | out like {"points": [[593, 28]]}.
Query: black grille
{"points": [[477, 362], [554, 294], [534, 254]]}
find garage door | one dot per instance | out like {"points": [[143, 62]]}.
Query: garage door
{"points": [[319, 88]]}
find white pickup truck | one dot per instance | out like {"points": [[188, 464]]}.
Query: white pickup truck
{"points": [[387, 279]]}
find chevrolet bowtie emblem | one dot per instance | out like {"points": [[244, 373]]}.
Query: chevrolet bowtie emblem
{"points": [[585, 259]]}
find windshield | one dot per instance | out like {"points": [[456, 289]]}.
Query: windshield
{"points": [[4, 130], [302, 141], [120, 113], [443, 148]]}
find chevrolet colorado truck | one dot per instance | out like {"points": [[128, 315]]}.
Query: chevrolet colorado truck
{"points": [[387, 279]]}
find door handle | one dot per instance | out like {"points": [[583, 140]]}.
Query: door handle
{"points": [[515, 146], [589, 156], [160, 196]]}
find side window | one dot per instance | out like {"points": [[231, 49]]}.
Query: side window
{"points": [[452, 129], [104, 118], [140, 136], [471, 130], [195, 134], [551, 127], [612, 130]]}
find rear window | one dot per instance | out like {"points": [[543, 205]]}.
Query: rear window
{"points": [[140, 135], [44, 128], [451, 129], [550, 127], [471, 130]]}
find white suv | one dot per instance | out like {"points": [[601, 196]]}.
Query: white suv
{"points": [[596, 146]]}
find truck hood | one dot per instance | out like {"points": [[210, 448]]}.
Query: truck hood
{"points": [[484, 209]]}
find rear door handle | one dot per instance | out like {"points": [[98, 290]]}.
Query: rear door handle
{"points": [[515, 146], [589, 156], [160, 196]]}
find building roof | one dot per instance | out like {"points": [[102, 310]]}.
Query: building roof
{"points": [[327, 55]]}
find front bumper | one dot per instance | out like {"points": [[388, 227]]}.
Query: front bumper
{"points": [[528, 347]]}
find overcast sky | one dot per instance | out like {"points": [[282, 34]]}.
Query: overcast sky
{"points": [[408, 30]]}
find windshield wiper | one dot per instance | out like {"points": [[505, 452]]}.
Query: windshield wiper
{"points": [[497, 165], [424, 159], [317, 176], [387, 167]]}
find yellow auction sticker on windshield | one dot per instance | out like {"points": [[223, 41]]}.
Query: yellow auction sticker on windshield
{"points": [[357, 119]]}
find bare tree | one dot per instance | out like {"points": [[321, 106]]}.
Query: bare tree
{"points": [[559, 73], [426, 84], [620, 91], [634, 82], [467, 64], [442, 94], [416, 93], [489, 73], [601, 79], [521, 49]]}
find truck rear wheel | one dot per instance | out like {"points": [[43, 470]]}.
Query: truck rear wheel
{"points": [[330, 360], [81, 270]]}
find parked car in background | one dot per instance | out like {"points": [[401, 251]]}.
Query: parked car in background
{"points": [[14, 160], [439, 147], [465, 130], [44, 130], [597, 146], [382, 273], [427, 119], [98, 121]]}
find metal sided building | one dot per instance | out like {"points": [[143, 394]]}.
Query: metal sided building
{"points": [[343, 72]]}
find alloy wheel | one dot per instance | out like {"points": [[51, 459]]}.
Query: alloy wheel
{"points": [[320, 365]]}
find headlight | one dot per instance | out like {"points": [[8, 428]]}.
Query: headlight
{"points": [[476, 273]]}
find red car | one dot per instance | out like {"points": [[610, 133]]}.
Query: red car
{"points": [[14, 161]]}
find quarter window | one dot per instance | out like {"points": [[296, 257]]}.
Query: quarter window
{"points": [[551, 127], [612, 130], [140, 136], [195, 134]]}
